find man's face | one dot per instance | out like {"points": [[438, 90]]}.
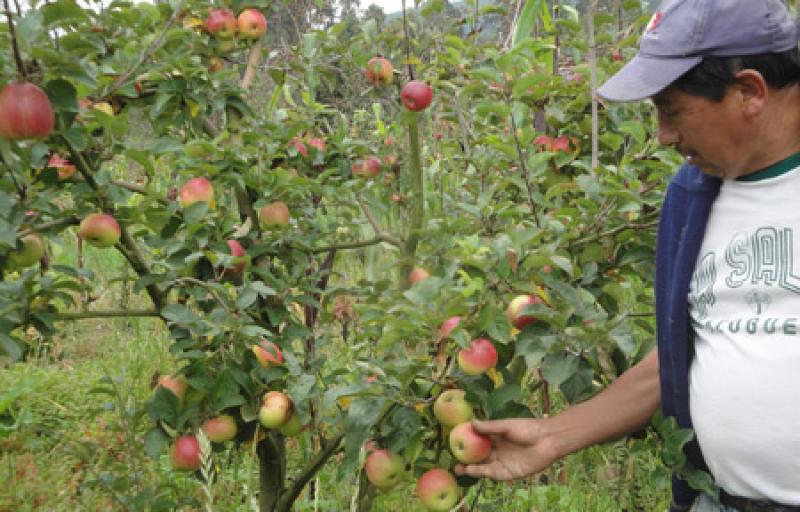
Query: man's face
{"points": [[711, 135]]}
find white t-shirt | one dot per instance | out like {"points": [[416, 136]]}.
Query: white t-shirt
{"points": [[744, 303]]}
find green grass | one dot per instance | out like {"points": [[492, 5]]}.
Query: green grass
{"points": [[64, 447]]}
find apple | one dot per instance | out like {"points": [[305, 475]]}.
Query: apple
{"points": [[447, 327], [384, 469], [196, 190], [216, 64], [367, 168], [220, 429], [176, 384], [63, 167], [379, 71], [31, 252], [437, 490], [292, 427], [274, 214], [561, 144], [100, 230], [317, 143], [104, 107], [416, 95], [237, 251], [186, 453], [418, 274], [515, 308], [267, 353], [299, 146], [25, 112], [221, 23], [275, 411], [479, 357], [468, 445], [252, 24], [451, 408]]}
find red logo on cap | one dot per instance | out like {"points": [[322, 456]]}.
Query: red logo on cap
{"points": [[654, 21]]}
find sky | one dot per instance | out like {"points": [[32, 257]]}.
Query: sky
{"points": [[389, 6]]}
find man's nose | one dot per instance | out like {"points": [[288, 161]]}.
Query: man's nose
{"points": [[667, 134]]}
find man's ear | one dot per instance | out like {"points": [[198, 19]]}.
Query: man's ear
{"points": [[752, 91]]}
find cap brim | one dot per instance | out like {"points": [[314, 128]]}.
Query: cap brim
{"points": [[645, 76]]}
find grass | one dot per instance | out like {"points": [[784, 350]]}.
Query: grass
{"points": [[66, 447]]}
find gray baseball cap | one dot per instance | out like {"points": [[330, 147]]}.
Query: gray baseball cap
{"points": [[682, 32]]}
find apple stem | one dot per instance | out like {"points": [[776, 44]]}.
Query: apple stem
{"points": [[13, 33]]}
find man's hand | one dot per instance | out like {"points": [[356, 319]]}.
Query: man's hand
{"points": [[519, 449]]}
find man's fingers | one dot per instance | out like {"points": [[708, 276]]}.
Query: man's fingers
{"points": [[492, 427], [473, 470]]}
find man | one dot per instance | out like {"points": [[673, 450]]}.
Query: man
{"points": [[725, 78]]}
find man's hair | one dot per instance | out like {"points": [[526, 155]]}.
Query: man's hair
{"points": [[713, 75]]}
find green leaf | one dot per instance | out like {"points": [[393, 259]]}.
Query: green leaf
{"points": [[526, 22], [155, 440], [163, 406], [225, 393], [499, 397], [178, 314]]}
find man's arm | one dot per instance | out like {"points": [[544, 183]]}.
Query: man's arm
{"points": [[522, 447]]}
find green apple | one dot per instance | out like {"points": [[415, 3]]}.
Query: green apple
{"points": [[275, 411], [451, 408], [31, 252]]}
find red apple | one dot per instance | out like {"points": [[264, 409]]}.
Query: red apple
{"points": [[468, 445], [416, 95], [194, 191], [275, 411], [317, 143], [252, 24], [100, 230], [267, 353], [452, 408], [517, 306], [384, 469], [561, 144], [379, 71], [186, 453], [299, 146], [437, 490], [237, 251], [448, 326], [63, 167], [544, 141], [220, 429], [479, 357], [417, 275], [367, 168], [31, 252], [176, 384], [274, 214], [25, 112], [221, 23]]}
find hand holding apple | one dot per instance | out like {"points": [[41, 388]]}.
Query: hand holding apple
{"points": [[468, 445]]}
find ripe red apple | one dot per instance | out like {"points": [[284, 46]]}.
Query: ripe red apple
{"points": [[479, 357], [237, 251], [416, 95], [196, 190], [299, 146], [221, 23], [64, 168], [468, 445], [448, 326], [379, 71], [252, 24], [317, 143], [515, 308], [451, 408], [176, 384], [100, 230], [367, 168], [561, 144], [267, 353], [274, 214], [25, 112], [186, 453], [544, 141], [220, 429], [437, 490], [275, 411], [417, 275], [31, 252], [384, 469]]}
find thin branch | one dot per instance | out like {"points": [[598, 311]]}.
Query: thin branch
{"points": [[523, 165], [205, 285], [348, 245], [328, 450], [252, 65], [112, 313], [66, 221], [613, 231], [379, 232], [14, 46]]}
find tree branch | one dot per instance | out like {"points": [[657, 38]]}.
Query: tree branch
{"points": [[348, 245], [328, 449], [14, 46], [379, 232], [112, 313], [66, 221], [523, 166]]}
